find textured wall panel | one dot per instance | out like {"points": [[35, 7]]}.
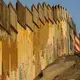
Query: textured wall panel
{"points": [[54, 15], [5, 57], [13, 50], [45, 11], [43, 37], [41, 13], [57, 12], [60, 12], [35, 15], [5, 16], [13, 17], [29, 22], [25, 53], [0, 11], [0, 57], [50, 13], [21, 12]]}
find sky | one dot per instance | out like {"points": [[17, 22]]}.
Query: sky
{"points": [[73, 7]]}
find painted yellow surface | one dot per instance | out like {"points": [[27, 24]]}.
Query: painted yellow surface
{"points": [[50, 42], [72, 36], [25, 52], [36, 49], [5, 56], [0, 57], [13, 60], [43, 39], [30, 54], [21, 44], [65, 36], [47, 33], [61, 39], [56, 39]]}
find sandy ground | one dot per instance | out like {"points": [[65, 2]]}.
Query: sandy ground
{"points": [[73, 73], [64, 68]]}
